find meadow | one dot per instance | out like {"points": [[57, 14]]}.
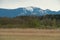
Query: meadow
{"points": [[29, 34]]}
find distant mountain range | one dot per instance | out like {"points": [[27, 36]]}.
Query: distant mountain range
{"points": [[27, 11]]}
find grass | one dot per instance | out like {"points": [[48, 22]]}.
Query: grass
{"points": [[29, 34]]}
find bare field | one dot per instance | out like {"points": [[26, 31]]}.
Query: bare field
{"points": [[29, 34]]}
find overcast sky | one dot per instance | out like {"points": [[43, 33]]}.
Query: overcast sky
{"points": [[44, 4]]}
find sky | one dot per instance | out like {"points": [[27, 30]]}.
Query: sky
{"points": [[43, 4]]}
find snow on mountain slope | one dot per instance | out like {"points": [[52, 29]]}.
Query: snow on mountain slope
{"points": [[26, 11]]}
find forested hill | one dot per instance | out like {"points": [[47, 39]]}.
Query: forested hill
{"points": [[46, 21]]}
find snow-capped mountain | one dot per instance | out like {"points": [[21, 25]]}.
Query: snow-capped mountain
{"points": [[26, 11]]}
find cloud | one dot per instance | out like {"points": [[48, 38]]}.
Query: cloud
{"points": [[44, 4]]}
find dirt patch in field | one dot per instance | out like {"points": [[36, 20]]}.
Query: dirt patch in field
{"points": [[39, 32]]}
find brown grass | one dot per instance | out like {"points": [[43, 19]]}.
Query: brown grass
{"points": [[32, 34]]}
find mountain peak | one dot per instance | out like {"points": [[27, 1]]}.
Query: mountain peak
{"points": [[23, 11], [29, 8]]}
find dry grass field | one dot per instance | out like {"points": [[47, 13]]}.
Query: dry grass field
{"points": [[29, 34]]}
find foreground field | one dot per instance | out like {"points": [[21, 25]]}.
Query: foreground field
{"points": [[29, 34]]}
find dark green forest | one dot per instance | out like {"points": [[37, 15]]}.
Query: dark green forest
{"points": [[41, 22]]}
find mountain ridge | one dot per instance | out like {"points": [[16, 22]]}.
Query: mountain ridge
{"points": [[26, 11]]}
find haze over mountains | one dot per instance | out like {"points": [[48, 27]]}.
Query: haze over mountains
{"points": [[26, 11]]}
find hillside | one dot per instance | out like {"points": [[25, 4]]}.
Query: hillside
{"points": [[26, 11], [42, 22]]}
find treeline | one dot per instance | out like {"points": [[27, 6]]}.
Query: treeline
{"points": [[41, 22]]}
